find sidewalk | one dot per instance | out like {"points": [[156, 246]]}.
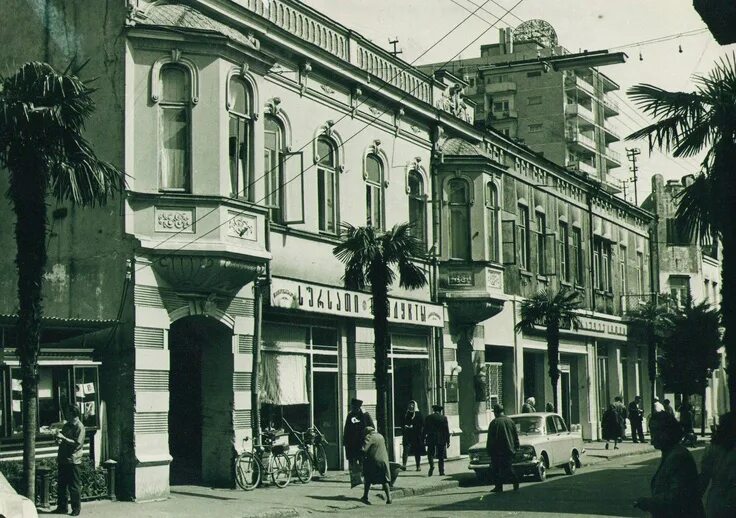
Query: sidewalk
{"points": [[331, 494]]}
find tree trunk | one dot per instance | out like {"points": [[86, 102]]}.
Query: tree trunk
{"points": [[728, 305], [553, 358], [652, 363], [28, 198], [379, 290]]}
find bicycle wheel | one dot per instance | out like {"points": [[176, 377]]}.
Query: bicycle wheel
{"points": [[320, 459], [303, 466], [247, 471], [280, 469]]}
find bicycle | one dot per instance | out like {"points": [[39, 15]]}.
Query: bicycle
{"points": [[307, 459], [266, 459]]}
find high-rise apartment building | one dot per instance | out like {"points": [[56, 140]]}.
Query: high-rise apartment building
{"points": [[558, 103]]}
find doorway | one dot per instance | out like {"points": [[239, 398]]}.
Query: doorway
{"points": [[409, 384], [326, 416], [565, 401]]}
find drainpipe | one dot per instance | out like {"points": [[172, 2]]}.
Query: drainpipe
{"points": [[591, 250], [436, 229]]}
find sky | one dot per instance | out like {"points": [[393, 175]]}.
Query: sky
{"points": [[580, 25]]}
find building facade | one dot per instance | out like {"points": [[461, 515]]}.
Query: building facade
{"points": [[249, 131]]}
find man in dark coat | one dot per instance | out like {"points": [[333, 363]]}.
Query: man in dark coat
{"points": [[636, 416], [618, 404], [529, 406], [436, 438], [502, 443], [355, 424], [375, 464]]}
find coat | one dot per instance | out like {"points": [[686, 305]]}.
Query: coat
{"points": [[675, 488], [411, 430], [636, 414], [527, 408], [355, 425], [503, 439], [719, 466], [437, 435], [376, 468], [611, 425]]}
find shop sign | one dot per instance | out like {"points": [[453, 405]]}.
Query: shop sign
{"points": [[290, 294], [601, 328]]}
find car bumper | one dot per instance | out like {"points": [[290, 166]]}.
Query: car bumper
{"points": [[519, 467]]}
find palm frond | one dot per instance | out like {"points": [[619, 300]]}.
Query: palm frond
{"points": [[411, 276], [398, 243], [696, 215]]}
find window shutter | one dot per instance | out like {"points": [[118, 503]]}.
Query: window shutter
{"points": [[293, 187], [508, 241], [550, 257]]}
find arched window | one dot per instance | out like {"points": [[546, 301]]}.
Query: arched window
{"points": [[458, 198], [492, 221], [273, 164], [417, 206], [374, 191], [240, 138], [327, 185], [175, 129]]}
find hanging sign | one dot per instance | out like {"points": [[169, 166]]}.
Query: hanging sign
{"points": [[304, 296]]}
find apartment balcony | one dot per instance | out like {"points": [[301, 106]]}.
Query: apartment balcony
{"points": [[610, 106], [580, 143], [583, 167], [613, 158], [502, 87], [503, 115], [611, 132], [473, 290], [580, 85], [585, 117]]}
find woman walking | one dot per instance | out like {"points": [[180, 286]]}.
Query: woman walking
{"points": [[375, 464], [611, 426], [412, 434]]}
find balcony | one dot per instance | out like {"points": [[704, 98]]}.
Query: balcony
{"points": [[610, 107], [613, 158], [583, 167], [580, 143], [581, 85], [611, 132], [585, 117], [474, 290], [504, 86], [503, 115]]}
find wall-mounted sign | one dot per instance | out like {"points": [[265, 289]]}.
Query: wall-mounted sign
{"points": [[596, 328], [460, 278], [290, 294]]}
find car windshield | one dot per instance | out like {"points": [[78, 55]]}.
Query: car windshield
{"points": [[528, 424]]}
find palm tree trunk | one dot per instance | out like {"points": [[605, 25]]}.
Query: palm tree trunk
{"points": [[28, 198], [553, 358], [728, 304], [379, 290]]}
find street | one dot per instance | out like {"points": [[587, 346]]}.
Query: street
{"points": [[605, 489]]}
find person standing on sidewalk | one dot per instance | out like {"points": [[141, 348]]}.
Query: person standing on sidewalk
{"points": [[528, 406], [636, 416], [355, 424], [618, 403], [69, 459], [668, 407], [611, 426], [436, 438], [502, 443], [658, 407], [411, 428], [375, 464]]}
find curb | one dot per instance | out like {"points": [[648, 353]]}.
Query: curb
{"points": [[276, 513]]}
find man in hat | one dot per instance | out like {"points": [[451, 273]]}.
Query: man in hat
{"points": [[502, 443], [636, 416], [355, 424], [436, 438]]}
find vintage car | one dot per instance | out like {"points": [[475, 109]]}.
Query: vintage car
{"points": [[13, 505], [545, 442]]}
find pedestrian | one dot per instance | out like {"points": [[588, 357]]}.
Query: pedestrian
{"points": [[355, 424], [375, 464], [412, 438], [611, 426], [528, 406], [618, 404], [658, 407], [502, 443], [674, 487], [549, 407], [636, 417], [686, 417], [69, 460], [436, 438], [668, 407], [718, 470]]}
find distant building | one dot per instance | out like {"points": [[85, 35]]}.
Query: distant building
{"points": [[558, 103]]}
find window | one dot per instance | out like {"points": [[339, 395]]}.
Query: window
{"points": [[273, 147], [533, 100], [674, 236], [602, 265], [623, 259], [501, 106], [541, 243], [417, 206], [174, 129], [492, 222], [564, 253], [506, 131], [534, 74], [459, 225], [706, 290], [550, 423], [535, 128], [327, 186], [640, 273], [679, 289], [524, 242], [374, 191], [579, 256], [561, 426], [239, 140]]}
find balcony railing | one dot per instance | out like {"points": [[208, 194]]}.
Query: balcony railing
{"points": [[613, 157], [575, 137], [504, 86], [581, 84], [586, 116], [610, 106]]}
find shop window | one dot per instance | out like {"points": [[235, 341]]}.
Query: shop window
{"points": [[239, 139], [458, 198], [327, 186], [273, 148], [175, 130], [86, 395], [374, 191], [492, 221], [417, 206]]}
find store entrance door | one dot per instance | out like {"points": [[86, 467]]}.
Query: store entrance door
{"points": [[326, 415], [409, 383]]}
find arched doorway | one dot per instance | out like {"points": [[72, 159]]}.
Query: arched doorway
{"points": [[200, 402]]}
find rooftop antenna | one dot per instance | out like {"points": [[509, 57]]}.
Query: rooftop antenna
{"points": [[395, 52]]}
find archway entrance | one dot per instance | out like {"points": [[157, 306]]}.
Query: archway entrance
{"points": [[200, 402]]}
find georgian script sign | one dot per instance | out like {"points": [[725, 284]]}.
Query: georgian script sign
{"points": [[290, 294]]}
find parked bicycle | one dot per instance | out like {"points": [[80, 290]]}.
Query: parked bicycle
{"points": [[264, 460], [311, 454]]}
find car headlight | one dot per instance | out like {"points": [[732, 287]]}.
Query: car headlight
{"points": [[474, 457], [527, 453]]}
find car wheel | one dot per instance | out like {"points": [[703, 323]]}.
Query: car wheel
{"points": [[570, 467], [541, 474], [576, 458]]}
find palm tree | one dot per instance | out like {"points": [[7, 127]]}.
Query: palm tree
{"points": [[688, 123], [553, 311], [370, 257], [655, 320], [42, 115]]}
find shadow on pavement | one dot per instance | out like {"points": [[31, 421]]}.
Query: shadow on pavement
{"points": [[336, 498], [200, 495], [593, 493]]}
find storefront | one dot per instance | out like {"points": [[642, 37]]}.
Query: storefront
{"points": [[318, 353]]}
